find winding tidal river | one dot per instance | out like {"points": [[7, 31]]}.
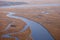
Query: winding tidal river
{"points": [[38, 31]]}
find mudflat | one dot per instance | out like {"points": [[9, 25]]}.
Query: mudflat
{"points": [[11, 25]]}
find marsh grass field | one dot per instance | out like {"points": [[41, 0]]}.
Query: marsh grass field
{"points": [[47, 16]]}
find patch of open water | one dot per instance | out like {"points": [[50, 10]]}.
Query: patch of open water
{"points": [[38, 32]]}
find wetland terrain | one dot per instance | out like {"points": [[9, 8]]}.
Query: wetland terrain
{"points": [[29, 21]]}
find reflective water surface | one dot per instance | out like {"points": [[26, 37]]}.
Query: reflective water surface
{"points": [[38, 31]]}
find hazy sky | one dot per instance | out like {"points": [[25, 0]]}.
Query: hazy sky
{"points": [[29, 0], [33, 0]]}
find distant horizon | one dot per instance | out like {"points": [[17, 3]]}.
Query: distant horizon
{"points": [[28, 0], [34, 1]]}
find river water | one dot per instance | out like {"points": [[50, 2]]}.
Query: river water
{"points": [[38, 32], [29, 5]]}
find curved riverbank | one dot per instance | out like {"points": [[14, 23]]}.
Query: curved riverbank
{"points": [[38, 32]]}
